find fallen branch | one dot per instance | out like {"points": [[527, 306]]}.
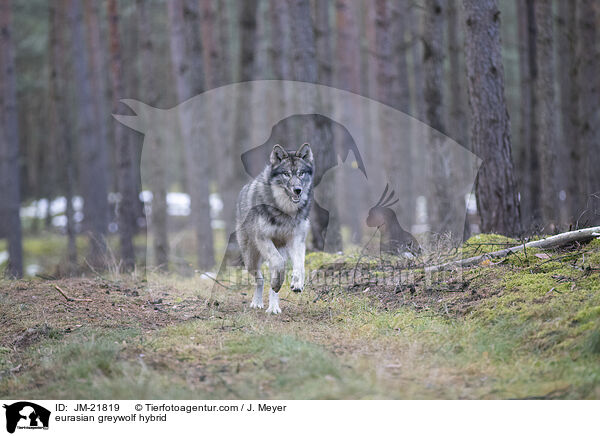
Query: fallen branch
{"points": [[69, 298], [550, 242]]}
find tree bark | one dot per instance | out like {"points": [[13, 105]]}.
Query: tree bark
{"points": [[348, 47], [546, 121], [218, 72], [433, 57], [567, 78], [97, 60], [589, 94], [403, 159], [193, 37], [347, 73], [280, 49], [528, 167], [61, 125], [157, 181], [304, 55], [416, 56], [211, 56], [125, 154], [93, 165], [323, 41], [442, 208], [497, 200], [224, 44], [305, 68], [280, 64], [232, 169], [415, 39], [457, 123], [9, 146], [184, 20], [392, 89]]}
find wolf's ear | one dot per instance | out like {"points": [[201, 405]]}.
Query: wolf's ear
{"points": [[305, 153], [278, 154]]}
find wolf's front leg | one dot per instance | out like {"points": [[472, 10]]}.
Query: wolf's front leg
{"points": [[297, 253], [275, 261], [257, 300], [273, 302]]}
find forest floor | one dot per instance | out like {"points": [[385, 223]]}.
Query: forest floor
{"points": [[527, 326]]}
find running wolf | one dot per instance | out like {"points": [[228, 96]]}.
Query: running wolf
{"points": [[272, 220]]}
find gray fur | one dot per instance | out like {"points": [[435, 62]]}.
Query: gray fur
{"points": [[272, 220]]}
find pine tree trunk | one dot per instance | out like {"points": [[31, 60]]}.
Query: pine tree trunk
{"points": [[442, 209], [323, 41], [62, 135], [457, 125], [415, 22], [210, 53], [324, 49], [535, 212], [526, 115], [135, 140], [224, 47], [93, 177], [217, 71], [280, 49], [10, 221], [193, 37], [497, 200], [416, 57], [232, 169], [280, 64], [348, 47], [567, 72], [348, 77], [392, 89], [433, 63], [544, 88], [156, 147], [97, 61], [184, 20], [386, 76], [305, 68], [247, 22], [403, 159], [372, 151], [589, 125], [125, 154]]}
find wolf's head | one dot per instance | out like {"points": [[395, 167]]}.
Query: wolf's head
{"points": [[291, 173]]}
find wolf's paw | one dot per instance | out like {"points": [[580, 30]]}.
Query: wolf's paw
{"points": [[273, 302], [274, 308], [257, 304], [296, 284]]}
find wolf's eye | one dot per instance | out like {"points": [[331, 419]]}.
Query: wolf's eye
{"points": [[287, 174]]}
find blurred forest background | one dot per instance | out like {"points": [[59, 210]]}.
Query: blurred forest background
{"points": [[514, 81]]}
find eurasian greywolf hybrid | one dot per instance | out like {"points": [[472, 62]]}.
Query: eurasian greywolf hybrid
{"points": [[272, 221]]}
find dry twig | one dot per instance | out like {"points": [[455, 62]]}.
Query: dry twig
{"points": [[67, 297]]}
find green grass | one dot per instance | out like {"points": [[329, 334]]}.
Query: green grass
{"points": [[88, 365], [294, 368]]}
